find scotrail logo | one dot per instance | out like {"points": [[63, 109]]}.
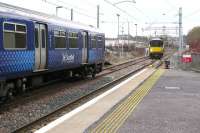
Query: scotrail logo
{"points": [[68, 58]]}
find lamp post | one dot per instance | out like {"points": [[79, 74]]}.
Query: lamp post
{"points": [[128, 32], [72, 14], [122, 39], [57, 9], [97, 16], [180, 30], [135, 34], [118, 30]]}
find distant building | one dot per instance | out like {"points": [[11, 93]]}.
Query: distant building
{"points": [[138, 41]]}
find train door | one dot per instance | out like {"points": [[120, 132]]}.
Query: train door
{"points": [[40, 47], [85, 47]]}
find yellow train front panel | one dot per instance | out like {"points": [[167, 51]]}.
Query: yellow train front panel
{"points": [[156, 50]]}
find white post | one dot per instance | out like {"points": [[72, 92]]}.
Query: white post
{"points": [[72, 14], [118, 31], [122, 41], [135, 35], [128, 32], [97, 16], [180, 30]]}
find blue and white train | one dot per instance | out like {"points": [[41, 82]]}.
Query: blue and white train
{"points": [[35, 49]]}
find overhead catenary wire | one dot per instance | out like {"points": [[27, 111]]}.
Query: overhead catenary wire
{"points": [[192, 14], [170, 4], [125, 12], [172, 9], [142, 13], [82, 11]]}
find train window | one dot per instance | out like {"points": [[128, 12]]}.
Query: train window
{"points": [[62, 33], [99, 38], [60, 39], [156, 43], [36, 38], [94, 41], [100, 41], [9, 40], [43, 38], [21, 28], [56, 33], [73, 40], [73, 43], [20, 40], [60, 42], [9, 27], [14, 36]]}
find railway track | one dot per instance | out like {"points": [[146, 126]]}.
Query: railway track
{"points": [[126, 63], [121, 66], [52, 116], [20, 99]]}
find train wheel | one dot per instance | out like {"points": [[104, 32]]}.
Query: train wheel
{"points": [[83, 75], [93, 74], [94, 71], [151, 56], [10, 94], [100, 68], [83, 72]]}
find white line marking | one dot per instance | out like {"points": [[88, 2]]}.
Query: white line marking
{"points": [[172, 88], [84, 106]]}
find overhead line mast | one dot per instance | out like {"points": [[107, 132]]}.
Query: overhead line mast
{"points": [[181, 47]]}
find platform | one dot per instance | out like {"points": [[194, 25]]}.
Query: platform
{"points": [[172, 106], [167, 102], [80, 119]]}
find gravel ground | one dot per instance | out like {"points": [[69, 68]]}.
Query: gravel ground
{"points": [[116, 59], [33, 109]]}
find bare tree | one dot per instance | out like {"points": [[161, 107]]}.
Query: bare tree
{"points": [[193, 39]]}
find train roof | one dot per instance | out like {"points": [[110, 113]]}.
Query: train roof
{"points": [[26, 14]]}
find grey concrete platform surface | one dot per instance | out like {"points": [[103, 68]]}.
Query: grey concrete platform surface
{"points": [[172, 106]]}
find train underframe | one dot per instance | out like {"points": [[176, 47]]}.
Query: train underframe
{"points": [[156, 55], [11, 87]]}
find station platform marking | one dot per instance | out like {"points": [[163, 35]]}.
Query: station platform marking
{"points": [[116, 118]]}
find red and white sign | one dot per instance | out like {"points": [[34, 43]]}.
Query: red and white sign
{"points": [[186, 58]]}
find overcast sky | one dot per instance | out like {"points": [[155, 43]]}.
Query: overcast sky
{"points": [[145, 13]]}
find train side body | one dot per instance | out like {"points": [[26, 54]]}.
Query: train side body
{"points": [[23, 62]]}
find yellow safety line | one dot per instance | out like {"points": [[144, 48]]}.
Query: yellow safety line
{"points": [[131, 108], [137, 100], [119, 109], [146, 91], [121, 113], [129, 113], [118, 113], [125, 109]]}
